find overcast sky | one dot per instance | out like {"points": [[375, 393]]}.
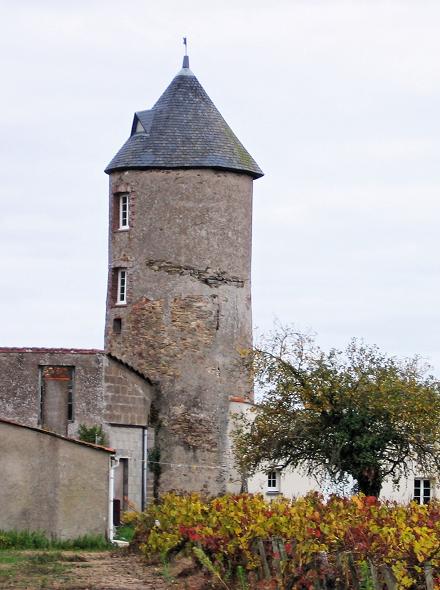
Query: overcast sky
{"points": [[338, 101]]}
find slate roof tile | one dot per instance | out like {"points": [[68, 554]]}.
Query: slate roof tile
{"points": [[184, 129]]}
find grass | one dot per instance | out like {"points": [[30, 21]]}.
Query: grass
{"points": [[29, 559], [22, 569], [7, 558], [38, 570], [38, 540], [125, 532]]}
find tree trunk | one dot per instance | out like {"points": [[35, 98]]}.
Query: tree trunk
{"points": [[369, 482]]}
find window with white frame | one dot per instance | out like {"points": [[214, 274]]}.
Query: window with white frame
{"points": [[273, 481], [123, 211], [121, 298], [422, 490]]}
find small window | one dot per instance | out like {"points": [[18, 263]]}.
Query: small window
{"points": [[122, 287], [117, 325], [422, 490], [273, 481], [139, 128], [70, 403], [123, 211]]}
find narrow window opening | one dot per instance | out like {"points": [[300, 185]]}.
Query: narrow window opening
{"points": [[121, 298], [70, 401], [117, 325], [123, 211]]}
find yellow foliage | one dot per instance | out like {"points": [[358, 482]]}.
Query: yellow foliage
{"points": [[130, 517], [227, 528]]}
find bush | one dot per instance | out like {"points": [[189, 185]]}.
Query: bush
{"points": [[130, 517], [92, 434], [228, 529]]}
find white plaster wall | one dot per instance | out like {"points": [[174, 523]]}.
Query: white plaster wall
{"points": [[234, 479], [292, 484], [295, 483], [404, 492]]}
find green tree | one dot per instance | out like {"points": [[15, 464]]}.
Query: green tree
{"points": [[356, 413]]}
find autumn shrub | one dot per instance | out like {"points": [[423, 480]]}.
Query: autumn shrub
{"points": [[228, 529], [130, 517]]}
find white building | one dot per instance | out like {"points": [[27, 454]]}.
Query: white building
{"points": [[291, 483]]}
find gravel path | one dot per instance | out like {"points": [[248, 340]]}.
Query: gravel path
{"points": [[106, 571]]}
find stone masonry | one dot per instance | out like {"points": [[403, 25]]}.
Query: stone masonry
{"points": [[20, 393], [188, 312]]}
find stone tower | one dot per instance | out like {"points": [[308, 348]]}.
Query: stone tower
{"points": [[179, 288]]}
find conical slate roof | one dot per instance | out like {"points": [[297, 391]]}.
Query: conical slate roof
{"points": [[183, 130]]}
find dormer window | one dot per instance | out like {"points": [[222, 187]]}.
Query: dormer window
{"points": [[123, 211], [139, 128]]}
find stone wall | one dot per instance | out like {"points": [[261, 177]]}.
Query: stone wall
{"points": [[104, 392], [20, 392], [52, 484], [104, 389], [188, 313], [127, 396]]}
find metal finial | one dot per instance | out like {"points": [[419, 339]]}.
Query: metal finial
{"points": [[185, 57]]}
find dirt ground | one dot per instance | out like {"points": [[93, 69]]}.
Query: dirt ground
{"points": [[66, 570]]}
